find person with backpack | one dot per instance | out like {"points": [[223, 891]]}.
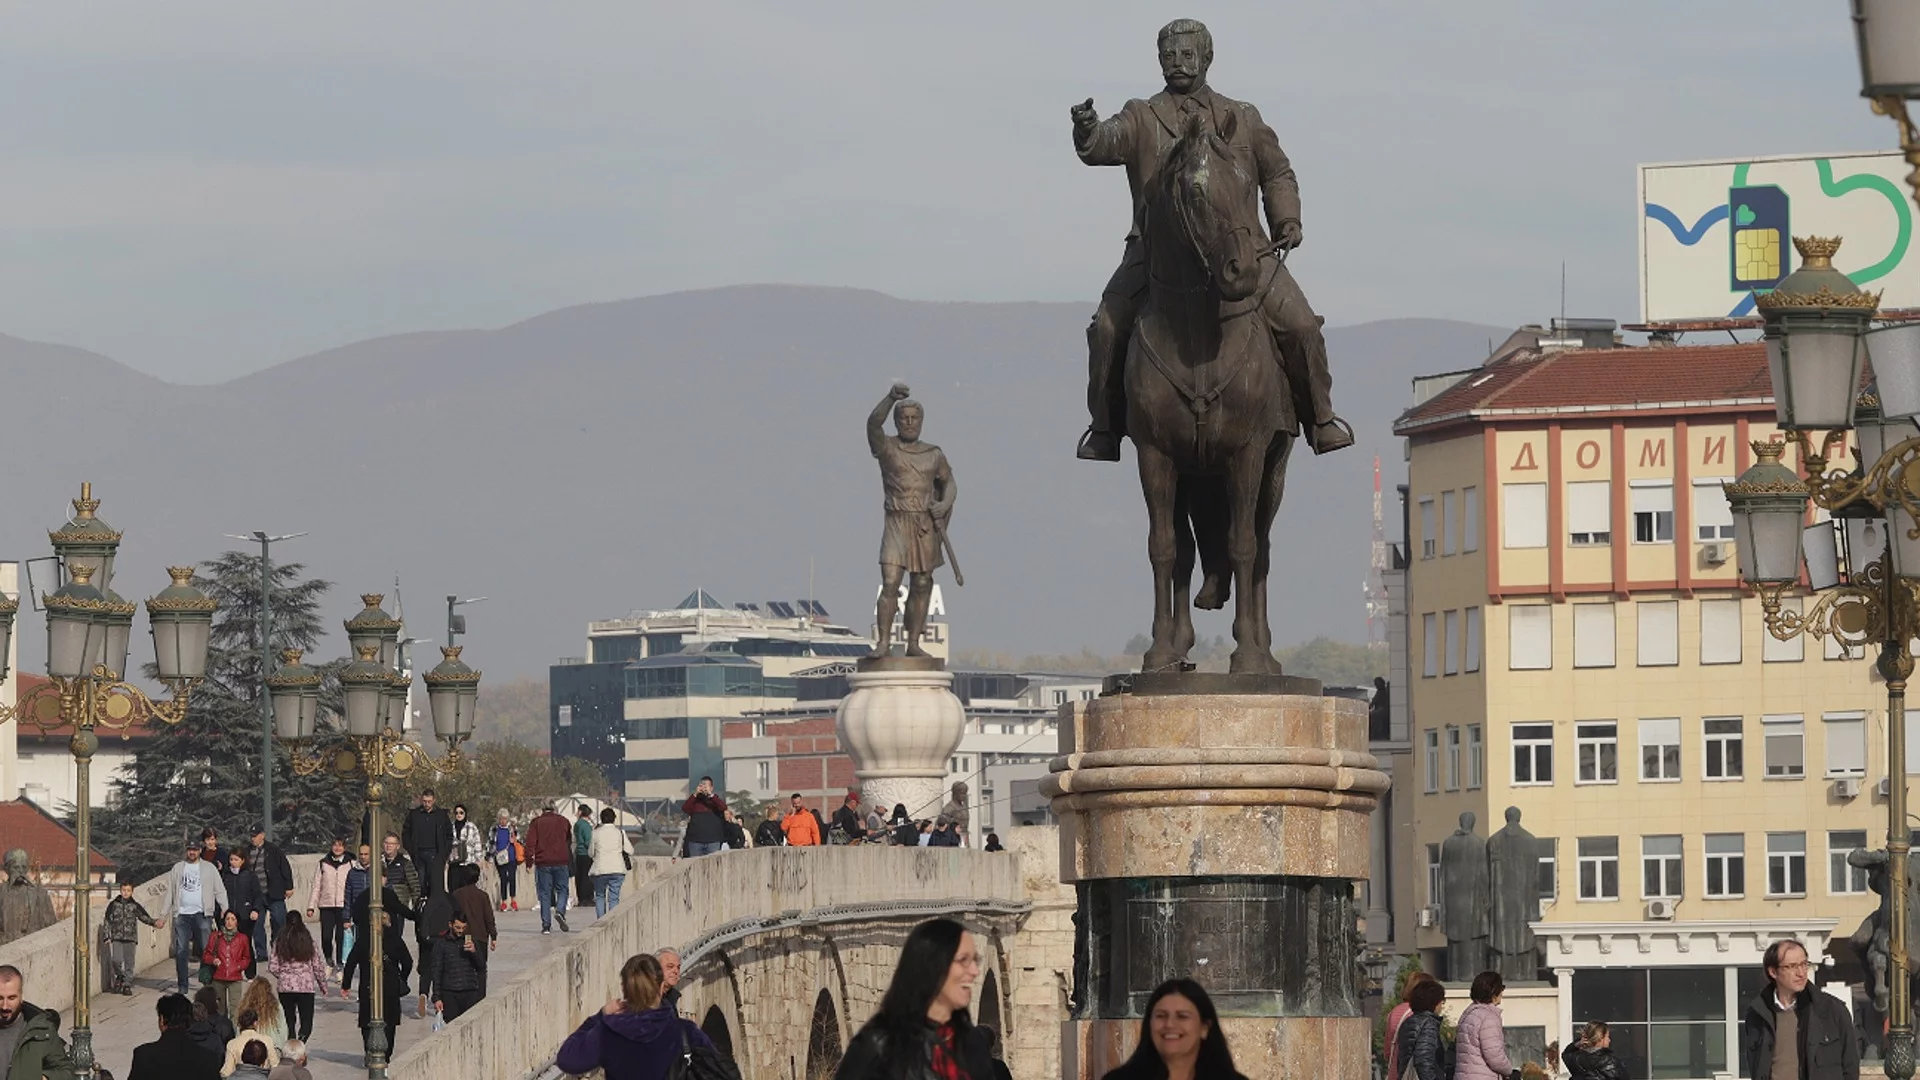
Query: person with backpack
{"points": [[635, 1037]]}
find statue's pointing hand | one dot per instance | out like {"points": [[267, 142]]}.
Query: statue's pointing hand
{"points": [[1083, 115]]}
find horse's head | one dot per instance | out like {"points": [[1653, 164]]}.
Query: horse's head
{"points": [[1217, 204]]}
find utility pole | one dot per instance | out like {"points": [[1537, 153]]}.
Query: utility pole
{"points": [[266, 668], [457, 624]]}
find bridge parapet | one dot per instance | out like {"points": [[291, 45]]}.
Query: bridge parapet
{"points": [[729, 915]]}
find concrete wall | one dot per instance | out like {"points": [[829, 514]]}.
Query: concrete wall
{"points": [[519, 1028], [46, 958]]}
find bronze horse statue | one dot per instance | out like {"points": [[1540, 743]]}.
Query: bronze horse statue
{"points": [[1209, 410]]}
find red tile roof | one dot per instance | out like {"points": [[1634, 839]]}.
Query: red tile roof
{"points": [[1599, 381], [25, 825]]}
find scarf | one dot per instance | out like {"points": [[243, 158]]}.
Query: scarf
{"points": [[946, 1056]]}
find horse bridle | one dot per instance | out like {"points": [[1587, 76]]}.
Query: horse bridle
{"points": [[1234, 309]]}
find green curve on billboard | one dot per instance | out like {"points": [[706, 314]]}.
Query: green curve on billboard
{"points": [[1834, 189]]}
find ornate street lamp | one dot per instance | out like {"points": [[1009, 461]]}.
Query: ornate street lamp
{"points": [[1813, 323], [1769, 509], [373, 746], [88, 631], [1888, 33]]}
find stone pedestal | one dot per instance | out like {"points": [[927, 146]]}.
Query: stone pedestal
{"points": [[901, 723], [1217, 836]]}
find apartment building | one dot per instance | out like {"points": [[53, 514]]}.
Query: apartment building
{"points": [[1577, 644]]}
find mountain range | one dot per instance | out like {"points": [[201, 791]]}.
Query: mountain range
{"points": [[611, 457]]}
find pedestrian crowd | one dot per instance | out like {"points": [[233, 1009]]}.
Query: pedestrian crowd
{"points": [[239, 933], [713, 827]]}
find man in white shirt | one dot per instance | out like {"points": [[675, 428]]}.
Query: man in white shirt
{"points": [[194, 893]]}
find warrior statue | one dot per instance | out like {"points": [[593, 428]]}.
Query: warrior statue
{"points": [[919, 492], [1872, 939], [1139, 137], [24, 906], [955, 812]]}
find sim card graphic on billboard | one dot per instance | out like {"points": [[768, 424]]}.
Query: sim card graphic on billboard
{"points": [[1759, 237]]}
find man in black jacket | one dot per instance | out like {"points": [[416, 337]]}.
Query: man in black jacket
{"points": [[706, 826], [428, 836], [275, 875], [1792, 1031], [846, 820], [174, 1055], [457, 970]]}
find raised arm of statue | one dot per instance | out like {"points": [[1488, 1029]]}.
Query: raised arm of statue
{"points": [[877, 419], [1104, 142]]}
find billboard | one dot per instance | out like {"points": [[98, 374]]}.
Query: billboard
{"points": [[1714, 232]]}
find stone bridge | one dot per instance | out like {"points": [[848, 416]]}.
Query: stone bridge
{"points": [[786, 952]]}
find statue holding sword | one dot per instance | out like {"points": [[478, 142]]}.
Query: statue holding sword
{"points": [[920, 492]]}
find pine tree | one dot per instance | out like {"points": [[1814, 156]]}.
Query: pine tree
{"points": [[206, 770]]}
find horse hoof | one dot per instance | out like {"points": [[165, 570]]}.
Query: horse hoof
{"points": [[1213, 593], [1252, 662], [1160, 661]]}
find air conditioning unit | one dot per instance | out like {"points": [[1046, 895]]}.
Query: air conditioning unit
{"points": [[1886, 787], [1660, 909], [1846, 787], [1716, 553], [1429, 917]]}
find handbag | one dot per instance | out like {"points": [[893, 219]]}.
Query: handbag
{"points": [[700, 1062]]}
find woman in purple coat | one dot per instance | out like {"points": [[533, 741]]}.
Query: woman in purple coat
{"points": [[634, 1037]]}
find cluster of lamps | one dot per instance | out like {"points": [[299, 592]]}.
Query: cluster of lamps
{"points": [[89, 632], [1861, 562], [371, 742]]}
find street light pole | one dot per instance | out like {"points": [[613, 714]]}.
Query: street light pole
{"points": [[266, 667], [457, 624]]}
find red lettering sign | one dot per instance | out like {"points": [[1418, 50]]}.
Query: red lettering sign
{"points": [[1588, 455], [1714, 452], [1653, 453], [1524, 460]]}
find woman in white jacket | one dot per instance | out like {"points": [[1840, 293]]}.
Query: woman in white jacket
{"points": [[610, 856]]}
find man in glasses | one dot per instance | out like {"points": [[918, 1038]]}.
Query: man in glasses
{"points": [[1792, 1031]]}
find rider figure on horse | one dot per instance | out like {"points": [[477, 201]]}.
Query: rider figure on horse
{"points": [[1138, 137]]}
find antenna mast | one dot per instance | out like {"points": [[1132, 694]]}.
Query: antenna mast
{"points": [[1376, 587]]}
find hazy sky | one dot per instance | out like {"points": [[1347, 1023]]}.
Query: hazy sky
{"points": [[203, 189]]}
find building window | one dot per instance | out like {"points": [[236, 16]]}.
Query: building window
{"points": [[1722, 755], [1523, 517], [1453, 758], [1846, 743], [1661, 877], [1469, 519], [763, 775], [1785, 739], [1726, 866], [1655, 1015], [1787, 864], [1430, 644], [759, 729], [1593, 635], [1470, 661], [1596, 746], [1433, 875], [1589, 513], [1549, 867], [1429, 542], [1599, 858], [1842, 879], [1476, 758], [1652, 512], [1792, 650], [1449, 520], [1532, 754], [1433, 761], [1719, 631], [1530, 637], [1712, 516], [1449, 640], [1658, 637], [1660, 749]]}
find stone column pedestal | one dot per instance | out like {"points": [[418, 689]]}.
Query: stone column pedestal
{"points": [[900, 722], [1217, 836]]}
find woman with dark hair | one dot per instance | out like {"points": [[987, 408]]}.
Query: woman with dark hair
{"points": [[635, 1037], [1591, 1055], [905, 832], [1180, 1038], [211, 1029], [1480, 1038], [922, 1030], [298, 974], [1417, 1046], [1397, 1016]]}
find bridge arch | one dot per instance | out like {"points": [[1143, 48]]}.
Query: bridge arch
{"points": [[714, 1025], [823, 1039], [987, 1013]]}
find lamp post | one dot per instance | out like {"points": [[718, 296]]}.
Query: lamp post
{"points": [[369, 744], [1864, 565], [88, 627]]}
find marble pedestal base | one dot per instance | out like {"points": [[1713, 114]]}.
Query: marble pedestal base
{"points": [[901, 726], [1217, 837]]}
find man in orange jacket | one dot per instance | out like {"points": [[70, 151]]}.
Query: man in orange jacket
{"points": [[801, 827]]}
